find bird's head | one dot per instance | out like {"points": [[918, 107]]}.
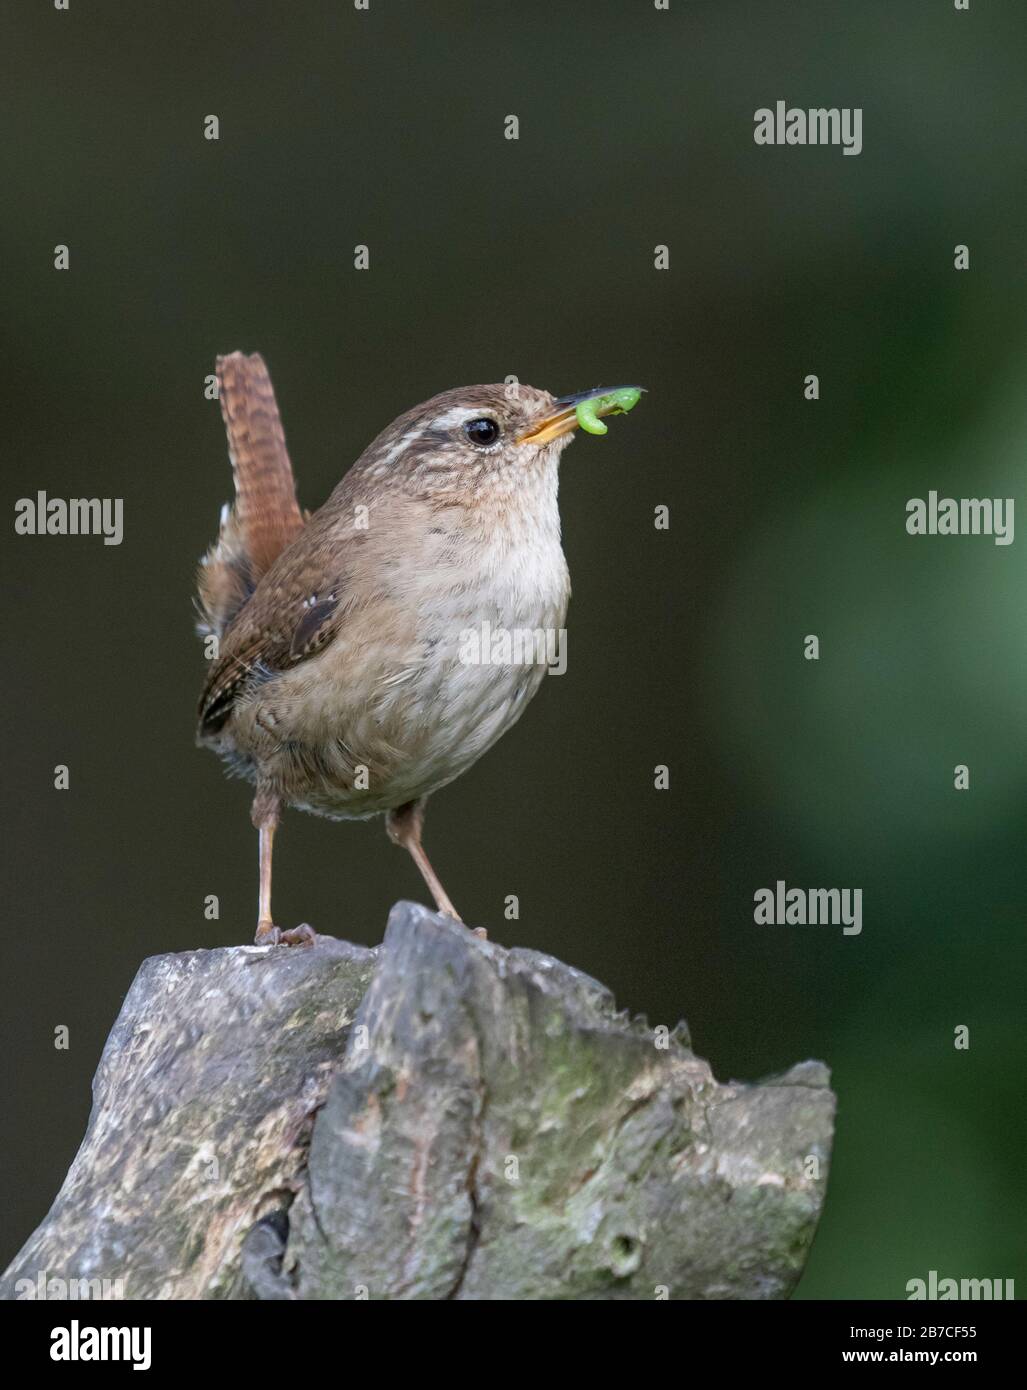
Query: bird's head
{"points": [[475, 439]]}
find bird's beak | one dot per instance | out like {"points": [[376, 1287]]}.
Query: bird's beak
{"points": [[565, 418]]}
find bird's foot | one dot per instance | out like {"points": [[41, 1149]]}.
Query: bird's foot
{"points": [[270, 935], [448, 910]]}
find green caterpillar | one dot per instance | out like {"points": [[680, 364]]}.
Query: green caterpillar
{"points": [[614, 403]]}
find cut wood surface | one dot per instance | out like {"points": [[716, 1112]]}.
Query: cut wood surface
{"points": [[436, 1118]]}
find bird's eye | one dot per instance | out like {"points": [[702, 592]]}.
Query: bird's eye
{"points": [[483, 431]]}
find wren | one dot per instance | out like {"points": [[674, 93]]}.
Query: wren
{"points": [[341, 683]]}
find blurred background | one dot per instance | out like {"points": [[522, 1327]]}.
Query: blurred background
{"points": [[492, 257]]}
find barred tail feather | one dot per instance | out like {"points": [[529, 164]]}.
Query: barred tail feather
{"points": [[265, 516]]}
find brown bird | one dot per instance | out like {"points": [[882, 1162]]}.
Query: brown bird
{"points": [[354, 672]]}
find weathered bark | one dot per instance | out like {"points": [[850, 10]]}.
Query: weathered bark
{"points": [[439, 1118]]}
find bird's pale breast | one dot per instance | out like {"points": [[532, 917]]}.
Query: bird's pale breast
{"points": [[424, 676]]}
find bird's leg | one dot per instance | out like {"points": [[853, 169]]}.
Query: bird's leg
{"points": [[404, 828], [265, 839], [266, 810]]}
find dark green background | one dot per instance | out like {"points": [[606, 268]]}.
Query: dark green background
{"points": [[536, 258]]}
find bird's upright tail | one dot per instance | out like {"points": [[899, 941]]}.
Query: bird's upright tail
{"points": [[265, 516]]}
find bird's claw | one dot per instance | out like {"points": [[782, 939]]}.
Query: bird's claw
{"points": [[270, 935]]}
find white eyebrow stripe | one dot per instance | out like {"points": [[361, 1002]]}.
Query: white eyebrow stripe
{"points": [[401, 445], [457, 416]]}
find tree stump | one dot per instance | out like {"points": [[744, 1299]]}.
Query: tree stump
{"points": [[436, 1118]]}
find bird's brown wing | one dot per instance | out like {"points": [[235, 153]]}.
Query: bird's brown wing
{"points": [[285, 622], [265, 517]]}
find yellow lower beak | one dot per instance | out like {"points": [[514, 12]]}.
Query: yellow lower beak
{"points": [[552, 427]]}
